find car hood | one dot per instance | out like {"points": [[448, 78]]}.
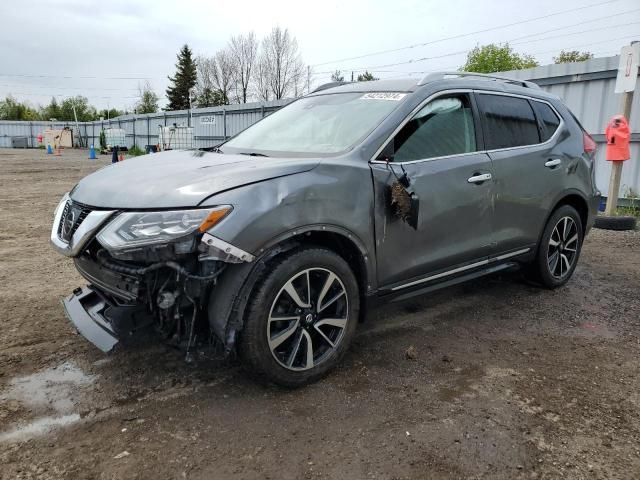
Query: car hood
{"points": [[179, 178]]}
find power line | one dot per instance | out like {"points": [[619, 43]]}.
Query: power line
{"points": [[599, 19], [461, 52], [462, 35], [68, 77], [575, 33]]}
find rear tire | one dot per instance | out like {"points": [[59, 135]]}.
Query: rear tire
{"points": [[559, 248], [301, 318]]}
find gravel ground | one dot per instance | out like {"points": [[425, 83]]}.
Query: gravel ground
{"points": [[502, 379]]}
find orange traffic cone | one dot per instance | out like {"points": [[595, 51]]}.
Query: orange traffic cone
{"points": [[121, 157]]}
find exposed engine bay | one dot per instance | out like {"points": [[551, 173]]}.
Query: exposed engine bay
{"points": [[147, 272]]}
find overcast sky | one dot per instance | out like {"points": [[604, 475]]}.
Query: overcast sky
{"points": [[47, 47]]}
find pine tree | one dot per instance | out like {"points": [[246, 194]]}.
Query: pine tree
{"points": [[183, 81]]}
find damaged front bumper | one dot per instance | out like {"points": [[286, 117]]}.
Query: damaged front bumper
{"points": [[85, 309], [101, 322]]}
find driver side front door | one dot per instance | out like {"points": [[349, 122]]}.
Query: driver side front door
{"points": [[438, 150]]}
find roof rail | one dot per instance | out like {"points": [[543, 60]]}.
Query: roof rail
{"points": [[441, 75], [324, 86]]}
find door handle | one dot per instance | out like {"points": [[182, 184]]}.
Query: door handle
{"points": [[483, 177], [553, 163]]}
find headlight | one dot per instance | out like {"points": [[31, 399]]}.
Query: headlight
{"points": [[131, 229]]}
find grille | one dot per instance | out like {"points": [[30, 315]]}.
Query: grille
{"points": [[72, 216]]}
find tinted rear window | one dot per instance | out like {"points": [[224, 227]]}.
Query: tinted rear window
{"points": [[508, 121], [548, 119]]}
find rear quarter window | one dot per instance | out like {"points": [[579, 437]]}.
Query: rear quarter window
{"points": [[508, 121], [547, 118]]}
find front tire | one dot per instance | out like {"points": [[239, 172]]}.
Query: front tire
{"points": [[301, 317], [559, 248]]}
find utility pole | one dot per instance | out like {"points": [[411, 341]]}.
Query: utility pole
{"points": [[627, 73]]}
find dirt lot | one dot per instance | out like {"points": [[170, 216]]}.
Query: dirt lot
{"points": [[508, 381]]}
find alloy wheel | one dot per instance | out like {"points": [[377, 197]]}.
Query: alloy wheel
{"points": [[308, 318], [563, 247]]}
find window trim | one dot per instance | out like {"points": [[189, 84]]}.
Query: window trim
{"points": [[530, 99], [477, 124]]}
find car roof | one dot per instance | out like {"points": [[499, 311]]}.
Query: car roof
{"points": [[445, 79]]}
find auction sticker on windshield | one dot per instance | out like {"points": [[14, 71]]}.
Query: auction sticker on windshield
{"points": [[393, 96]]}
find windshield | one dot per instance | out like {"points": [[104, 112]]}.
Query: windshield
{"points": [[319, 125]]}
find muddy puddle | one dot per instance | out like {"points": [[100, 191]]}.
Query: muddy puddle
{"points": [[52, 397]]}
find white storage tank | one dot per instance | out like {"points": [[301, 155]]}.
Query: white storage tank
{"points": [[176, 137], [115, 137]]}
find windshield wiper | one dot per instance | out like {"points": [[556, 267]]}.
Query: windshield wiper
{"points": [[254, 154]]}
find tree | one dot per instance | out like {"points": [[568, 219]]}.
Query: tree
{"points": [[51, 111], [262, 79], [223, 74], [570, 56], [148, 99], [183, 81], [243, 51], [83, 110], [215, 78], [366, 77], [12, 109], [284, 63], [109, 113], [337, 76], [496, 58]]}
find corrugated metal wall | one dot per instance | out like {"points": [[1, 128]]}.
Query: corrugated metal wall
{"points": [[212, 125], [588, 90]]}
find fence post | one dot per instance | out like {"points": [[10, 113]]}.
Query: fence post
{"points": [[148, 132], [262, 110], [224, 123], [134, 132], [31, 134]]}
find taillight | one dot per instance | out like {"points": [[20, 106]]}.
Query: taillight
{"points": [[589, 143]]}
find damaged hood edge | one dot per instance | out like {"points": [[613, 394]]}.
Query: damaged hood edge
{"points": [[179, 179]]}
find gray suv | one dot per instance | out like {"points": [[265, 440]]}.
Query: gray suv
{"points": [[275, 243]]}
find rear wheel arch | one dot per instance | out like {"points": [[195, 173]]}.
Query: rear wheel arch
{"points": [[574, 199], [578, 202]]}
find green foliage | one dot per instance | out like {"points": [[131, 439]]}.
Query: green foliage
{"points": [[83, 110], [135, 151], [111, 113], [366, 77], [632, 204], [103, 140], [570, 56], [51, 111], [496, 58], [183, 81], [337, 76], [210, 97], [148, 102], [11, 109]]}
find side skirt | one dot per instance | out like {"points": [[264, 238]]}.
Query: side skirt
{"points": [[434, 286]]}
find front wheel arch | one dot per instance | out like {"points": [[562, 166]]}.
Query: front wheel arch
{"points": [[228, 299]]}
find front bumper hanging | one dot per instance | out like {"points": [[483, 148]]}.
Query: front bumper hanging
{"points": [[105, 324], [85, 308]]}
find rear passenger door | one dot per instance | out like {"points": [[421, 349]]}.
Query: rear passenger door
{"points": [[522, 138]]}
